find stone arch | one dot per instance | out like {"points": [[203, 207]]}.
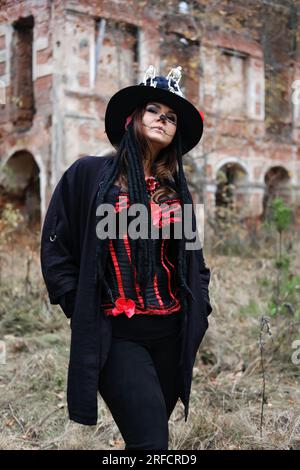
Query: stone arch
{"points": [[20, 186], [231, 179], [277, 180], [232, 160]]}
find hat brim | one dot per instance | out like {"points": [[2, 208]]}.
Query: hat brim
{"points": [[125, 101]]}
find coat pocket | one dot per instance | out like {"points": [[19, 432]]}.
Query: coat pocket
{"points": [[67, 302]]}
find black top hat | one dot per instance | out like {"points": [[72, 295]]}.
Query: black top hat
{"points": [[154, 88]]}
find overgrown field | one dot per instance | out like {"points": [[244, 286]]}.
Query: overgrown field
{"points": [[246, 343]]}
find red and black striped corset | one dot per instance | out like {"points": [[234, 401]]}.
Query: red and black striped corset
{"points": [[122, 294]]}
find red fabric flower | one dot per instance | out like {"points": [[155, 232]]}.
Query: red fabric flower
{"points": [[124, 305], [151, 183], [202, 115]]}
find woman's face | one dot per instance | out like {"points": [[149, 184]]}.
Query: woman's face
{"points": [[151, 121]]}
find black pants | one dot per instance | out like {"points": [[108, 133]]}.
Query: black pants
{"points": [[139, 381]]}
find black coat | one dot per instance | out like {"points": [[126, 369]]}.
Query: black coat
{"points": [[69, 266]]}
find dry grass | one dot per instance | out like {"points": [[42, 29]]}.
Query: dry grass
{"points": [[226, 393]]}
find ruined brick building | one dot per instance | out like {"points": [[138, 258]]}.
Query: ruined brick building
{"points": [[60, 61]]}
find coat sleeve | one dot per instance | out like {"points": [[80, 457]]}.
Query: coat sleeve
{"points": [[59, 266], [67, 302], [203, 269]]}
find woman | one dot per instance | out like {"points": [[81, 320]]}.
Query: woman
{"points": [[138, 322]]}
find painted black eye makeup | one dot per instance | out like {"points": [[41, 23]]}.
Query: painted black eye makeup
{"points": [[170, 117], [151, 109]]}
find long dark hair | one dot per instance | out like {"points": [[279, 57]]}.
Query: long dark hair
{"points": [[128, 166]]}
